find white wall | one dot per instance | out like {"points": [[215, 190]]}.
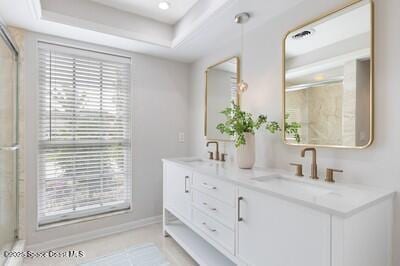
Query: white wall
{"points": [[376, 165], [159, 94]]}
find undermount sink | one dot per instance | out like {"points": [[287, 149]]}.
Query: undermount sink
{"points": [[192, 160], [267, 178], [198, 162], [292, 186]]}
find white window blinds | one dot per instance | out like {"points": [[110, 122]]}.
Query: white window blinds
{"points": [[84, 133]]}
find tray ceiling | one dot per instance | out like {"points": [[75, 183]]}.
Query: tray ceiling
{"points": [[205, 27], [149, 8]]}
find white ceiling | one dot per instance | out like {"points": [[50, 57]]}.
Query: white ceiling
{"points": [[198, 33], [149, 8]]}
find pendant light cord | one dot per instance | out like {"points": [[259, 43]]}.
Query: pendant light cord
{"points": [[242, 18], [242, 46]]}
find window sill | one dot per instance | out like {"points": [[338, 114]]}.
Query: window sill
{"points": [[81, 220]]}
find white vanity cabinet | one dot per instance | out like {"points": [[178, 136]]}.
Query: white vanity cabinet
{"points": [[276, 232], [225, 216], [177, 196]]}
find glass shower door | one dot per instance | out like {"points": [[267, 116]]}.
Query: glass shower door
{"points": [[8, 144]]}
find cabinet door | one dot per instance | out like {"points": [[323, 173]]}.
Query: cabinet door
{"points": [[280, 233], [177, 190]]}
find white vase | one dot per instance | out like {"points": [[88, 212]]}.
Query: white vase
{"points": [[246, 154]]}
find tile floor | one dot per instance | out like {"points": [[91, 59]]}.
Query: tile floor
{"points": [[107, 245]]}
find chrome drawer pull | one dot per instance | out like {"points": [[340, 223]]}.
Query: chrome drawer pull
{"points": [[186, 190], [209, 228], [210, 208], [240, 219], [208, 186]]}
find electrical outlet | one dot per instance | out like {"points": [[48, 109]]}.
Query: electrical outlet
{"points": [[181, 137]]}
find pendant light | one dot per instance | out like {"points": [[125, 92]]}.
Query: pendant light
{"points": [[241, 19]]}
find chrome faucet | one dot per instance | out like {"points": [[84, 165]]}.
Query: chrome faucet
{"points": [[314, 169], [216, 150]]}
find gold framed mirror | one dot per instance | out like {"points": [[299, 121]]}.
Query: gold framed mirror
{"points": [[328, 79], [221, 89]]}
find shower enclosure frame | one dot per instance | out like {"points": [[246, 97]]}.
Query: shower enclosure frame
{"points": [[14, 148]]}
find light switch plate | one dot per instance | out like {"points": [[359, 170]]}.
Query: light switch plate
{"points": [[181, 137]]}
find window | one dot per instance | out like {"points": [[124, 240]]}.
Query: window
{"points": [[84, 133]]}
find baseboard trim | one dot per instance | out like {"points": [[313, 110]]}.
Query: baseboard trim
{"points": [[82, 237], [19, 246]]}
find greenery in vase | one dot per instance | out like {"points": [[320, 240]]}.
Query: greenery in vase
{"points": [[239, 122]]}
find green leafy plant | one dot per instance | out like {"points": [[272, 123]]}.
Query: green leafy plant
{"points": [[292, 128], [239, 122]]}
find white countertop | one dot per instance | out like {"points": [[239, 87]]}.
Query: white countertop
{"points": [[338, 199]]}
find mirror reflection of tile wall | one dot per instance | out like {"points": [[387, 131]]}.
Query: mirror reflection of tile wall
{"points": [[319, 112]]}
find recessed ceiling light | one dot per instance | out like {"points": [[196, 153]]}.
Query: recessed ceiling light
{"points": [[164, 5], [319, 77]]}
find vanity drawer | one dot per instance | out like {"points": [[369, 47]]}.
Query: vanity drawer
{"points": [[220, 211], [215, 230], [221, 190]]}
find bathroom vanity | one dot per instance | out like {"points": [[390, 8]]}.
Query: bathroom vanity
{"points": [[222, 215]]}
